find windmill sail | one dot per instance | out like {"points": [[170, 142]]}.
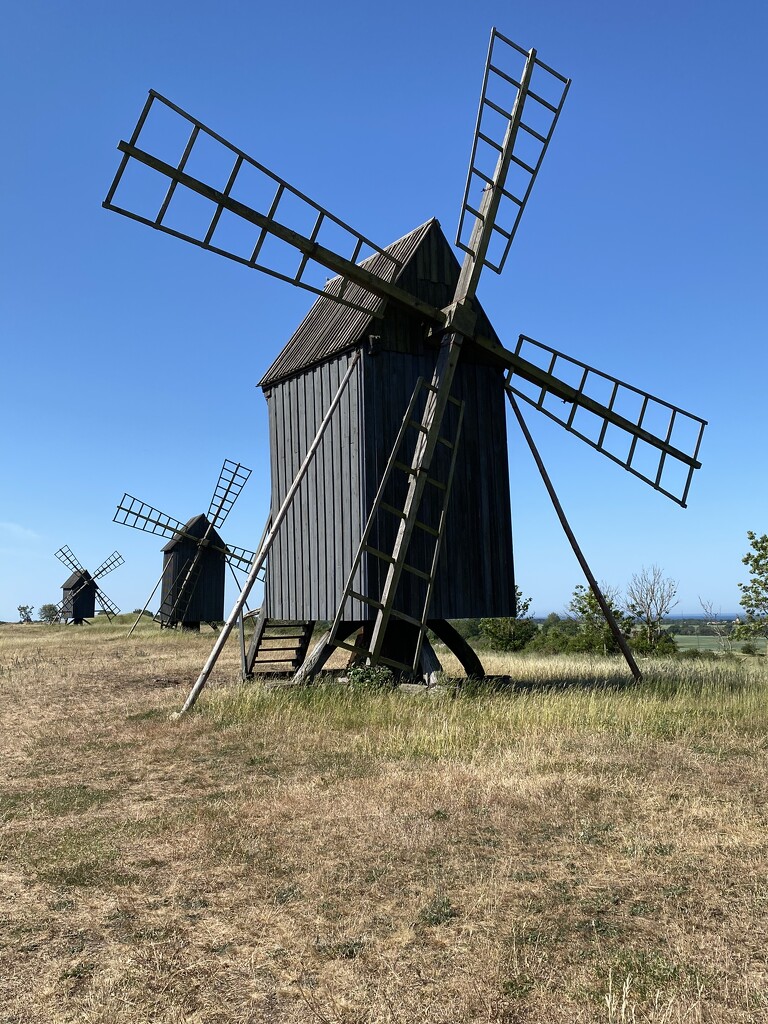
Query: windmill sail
{"points": [[516, 119], [649, 437], [216, 196], [114, 561], [232, 478], [65, 555]]}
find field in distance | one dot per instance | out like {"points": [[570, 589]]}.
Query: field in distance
{"points": [[570, 848]]}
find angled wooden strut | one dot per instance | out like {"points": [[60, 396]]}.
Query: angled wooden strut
{"points": [[610, 618], [267, 543]]}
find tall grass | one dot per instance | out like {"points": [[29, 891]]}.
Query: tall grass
{"points": [[573, 696]]}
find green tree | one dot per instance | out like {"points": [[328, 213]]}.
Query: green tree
{"points": [[25, 612], [650, 596], [754, 595], [594, 634], [48, 613], [556, 635], [510, 634]]}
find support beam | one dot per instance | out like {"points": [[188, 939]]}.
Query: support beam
{"points": [[261, 555], [456, 643], [604, 606]]}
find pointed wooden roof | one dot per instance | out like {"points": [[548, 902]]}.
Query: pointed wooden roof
{"points": [[194, 527], [78, 578], [428, 269]]}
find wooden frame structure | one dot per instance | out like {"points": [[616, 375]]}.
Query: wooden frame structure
{"points": [[517, 115]]}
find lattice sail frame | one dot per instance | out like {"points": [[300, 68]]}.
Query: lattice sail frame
{"points": [[280, 200], [139, 515], [232, 479], [67, 557], [114, 561], [606, 413], [529, 112], [519, 99]]}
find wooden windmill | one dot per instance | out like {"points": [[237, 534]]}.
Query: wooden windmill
{"points": [[81, 591], [390, 503], [195, 557]]}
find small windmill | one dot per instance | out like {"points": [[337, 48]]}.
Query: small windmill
{"points": [[402, 521], [195, 557], [81, 591]]}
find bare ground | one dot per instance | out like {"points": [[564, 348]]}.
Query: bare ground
{"points": [[557, 855]]}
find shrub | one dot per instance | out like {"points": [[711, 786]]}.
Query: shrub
{"points": [[370, 677]]}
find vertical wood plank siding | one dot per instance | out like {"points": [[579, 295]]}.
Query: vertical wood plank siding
{"points": [[79, 600], [207, 603], [313, 553], [315, 548], [475, 573]]}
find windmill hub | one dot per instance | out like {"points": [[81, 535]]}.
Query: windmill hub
{"points": [[461, 317]]}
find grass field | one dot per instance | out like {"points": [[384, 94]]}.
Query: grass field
{"points": [[572, 849]]}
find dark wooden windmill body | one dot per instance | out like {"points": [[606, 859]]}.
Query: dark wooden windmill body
{"points": [[313, 554], [195, 557], [81, 591], [390, 506], [78, 597], [206, 602]]}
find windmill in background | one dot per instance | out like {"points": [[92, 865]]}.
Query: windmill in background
{"points": [[390, 516], [195, 557], [81, 590]]}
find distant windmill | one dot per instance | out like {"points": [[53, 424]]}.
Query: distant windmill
{"points": [[402, 519], [195, 557], [81, 591]]}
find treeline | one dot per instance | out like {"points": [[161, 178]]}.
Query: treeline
{"points": [[639, 615]]}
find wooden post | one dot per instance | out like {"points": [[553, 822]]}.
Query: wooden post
{"points": [[147, 604], [456, 643], [604, 606], [261, 555]]}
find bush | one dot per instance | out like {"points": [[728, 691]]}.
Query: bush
{"points": [[665, 644], [371, 677], [508, 634]]}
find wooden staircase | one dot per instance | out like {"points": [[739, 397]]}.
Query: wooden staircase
{"points": [[277, 647]]}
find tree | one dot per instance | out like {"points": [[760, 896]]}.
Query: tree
{"points": [[718, 627], [48, 613], [25, 612], [650, 596], [510, 634], [594, 634], [556, 635], [754, 595]]}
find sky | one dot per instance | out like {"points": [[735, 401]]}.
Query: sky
{"points": [[130, 359]]}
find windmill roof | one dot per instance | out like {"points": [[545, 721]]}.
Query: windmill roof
{"points": [[194, 527], [78, 576], [330, 327]]}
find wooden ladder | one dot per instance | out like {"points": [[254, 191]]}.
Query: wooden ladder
{"points": [[429, 436], [189, 575], [278, 646]]}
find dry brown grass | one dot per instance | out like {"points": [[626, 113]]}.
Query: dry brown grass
{"points": [[566, 853]]}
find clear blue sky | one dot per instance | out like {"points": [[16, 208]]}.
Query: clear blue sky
{"points": [[642, 251]]}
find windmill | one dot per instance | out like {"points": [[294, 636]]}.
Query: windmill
{"points": [[195, 557], [80, 591], [392, 517]]}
